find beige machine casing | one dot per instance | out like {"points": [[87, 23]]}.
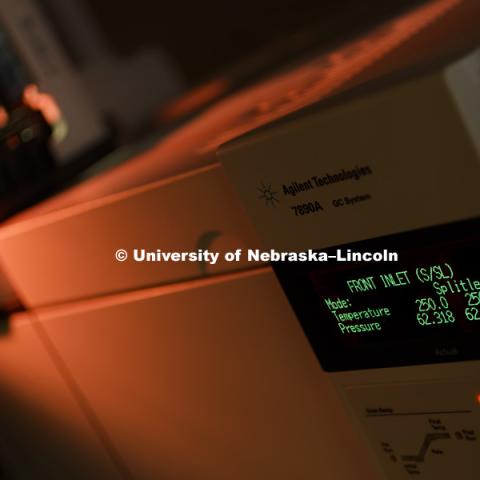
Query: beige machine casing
{"points": [[418, 140]]}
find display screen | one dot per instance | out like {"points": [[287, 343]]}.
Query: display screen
{"points": [[425, 308]]}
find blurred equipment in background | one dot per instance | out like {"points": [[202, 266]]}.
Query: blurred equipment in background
{"points": [[56, 116], [49, 121], [125, 88]]}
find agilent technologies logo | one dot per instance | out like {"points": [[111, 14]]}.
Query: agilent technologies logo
{"points": [[268, 195]]}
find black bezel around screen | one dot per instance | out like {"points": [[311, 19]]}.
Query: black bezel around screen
{"points": [[402, 340]]}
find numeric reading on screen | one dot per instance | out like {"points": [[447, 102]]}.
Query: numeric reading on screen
{"points": [[449, 297], [425, 308]]}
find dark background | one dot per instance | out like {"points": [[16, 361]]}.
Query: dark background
{"points": [[207, 37]]}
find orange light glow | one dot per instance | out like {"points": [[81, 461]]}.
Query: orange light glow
{"points": [[43, 102], [3, 117], [194, 100]]}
